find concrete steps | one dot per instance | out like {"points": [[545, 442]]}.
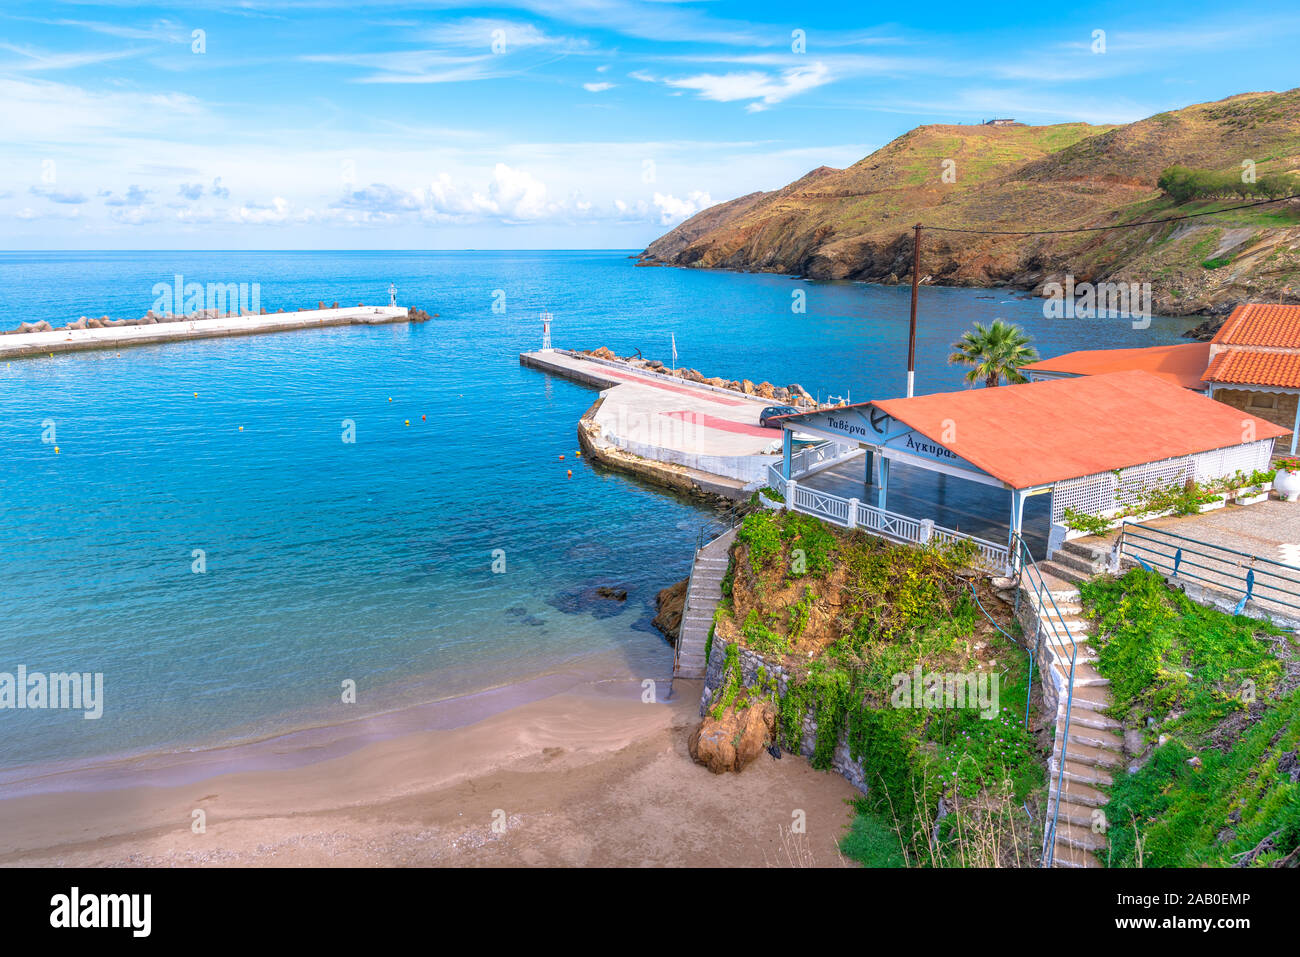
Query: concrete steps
{"points": [[1074, 562], [702, 599], [1093, 743], [1080, 773], [1067, 856], [1081, 838]]}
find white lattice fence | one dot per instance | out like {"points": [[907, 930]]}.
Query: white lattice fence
{"points": [[1236, 458], [1090, 494], [1109, 492]]}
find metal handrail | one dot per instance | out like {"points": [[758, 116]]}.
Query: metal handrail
{"points": [[1193, 551], [726, 521], [1021, 564], [1177, 563]]}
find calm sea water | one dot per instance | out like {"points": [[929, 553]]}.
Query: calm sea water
{"points": [[372, 561]]}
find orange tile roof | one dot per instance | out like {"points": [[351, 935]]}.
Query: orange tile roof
{"points": [[1261, 324], [1240, 367], [1183, 364], [1044, 432]]}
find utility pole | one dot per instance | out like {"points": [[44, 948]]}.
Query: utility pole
{"points": [[911, 335]]}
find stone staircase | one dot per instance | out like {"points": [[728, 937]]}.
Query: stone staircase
{"points": [[1095, 742], [701, 600], [1075, 562]]}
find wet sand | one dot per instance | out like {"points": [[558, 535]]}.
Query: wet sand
{"points": [[589, 776]]}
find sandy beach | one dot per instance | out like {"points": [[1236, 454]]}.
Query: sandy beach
{"points": [[589, 776]]}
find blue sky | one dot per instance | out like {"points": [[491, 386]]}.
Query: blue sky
{"points": [[537, 123]]}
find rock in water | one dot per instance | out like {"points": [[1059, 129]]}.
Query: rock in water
{"points": [[734, 740]]}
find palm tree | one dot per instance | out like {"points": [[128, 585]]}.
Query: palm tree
{"points": [[993, 354]]}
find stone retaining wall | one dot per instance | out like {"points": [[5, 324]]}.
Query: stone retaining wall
{"points": [[750, 662]]}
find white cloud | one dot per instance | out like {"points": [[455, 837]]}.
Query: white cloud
{"points": [[74, 197], [672, 210], [274, 214], [135, 196], [597, 87], [764, 89], [33, 59], [514, 195]]}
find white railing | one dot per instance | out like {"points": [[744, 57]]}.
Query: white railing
{"points": [[889, 524], [997, 556], [851, 513], [822, 504], [815, 456]]}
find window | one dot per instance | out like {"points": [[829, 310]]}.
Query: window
{"points": [[1263, 400]]}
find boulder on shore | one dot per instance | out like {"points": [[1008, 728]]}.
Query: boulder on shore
{"points": [[669, 605], [731, 742]]}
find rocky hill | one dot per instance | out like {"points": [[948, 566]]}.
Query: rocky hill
{"points": [[856, 223]]}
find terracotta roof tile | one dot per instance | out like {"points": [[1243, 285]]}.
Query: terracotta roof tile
{"points": [[1261, 324], [1239, 367], [1043, 432], [1183, 364]]}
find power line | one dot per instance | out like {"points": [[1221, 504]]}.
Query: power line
{"points": [[1095, 229]]}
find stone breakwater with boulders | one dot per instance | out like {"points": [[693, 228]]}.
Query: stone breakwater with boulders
{"points": [[151, 318], [793, 394]]}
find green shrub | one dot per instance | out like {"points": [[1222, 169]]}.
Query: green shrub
{"points": [[1082, 522], [761, 531], [761, 638]]}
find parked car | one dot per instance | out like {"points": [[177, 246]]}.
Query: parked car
{"points": [[768, 415]]}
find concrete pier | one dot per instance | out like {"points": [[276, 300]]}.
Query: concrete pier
{"points": [[18, 345], [687, 434]]}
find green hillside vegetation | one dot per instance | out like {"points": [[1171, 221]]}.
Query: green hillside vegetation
{"points": [[1182, 185]]}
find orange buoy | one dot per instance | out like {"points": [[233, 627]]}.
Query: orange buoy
{"points": [[570, 473], [423, 417], [561, 458]]}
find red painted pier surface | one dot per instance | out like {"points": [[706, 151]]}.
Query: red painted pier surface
{"points": [[724, 425], [708, 431]]}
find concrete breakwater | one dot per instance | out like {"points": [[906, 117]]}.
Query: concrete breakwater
{"points": [[99, 334], [693, 435]]}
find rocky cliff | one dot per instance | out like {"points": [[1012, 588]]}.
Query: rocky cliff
{"points": [[855, 223]]}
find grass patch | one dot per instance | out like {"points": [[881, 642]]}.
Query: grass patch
{"points": [[871, 840]]}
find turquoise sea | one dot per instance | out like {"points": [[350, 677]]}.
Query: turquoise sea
{"points": [[373, 561]]}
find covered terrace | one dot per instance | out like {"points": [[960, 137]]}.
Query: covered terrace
{"points": [[1002, 465]]}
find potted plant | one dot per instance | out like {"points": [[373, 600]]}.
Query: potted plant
{"points": [[1255, 489], [1287, 479], [1208, 502]]}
